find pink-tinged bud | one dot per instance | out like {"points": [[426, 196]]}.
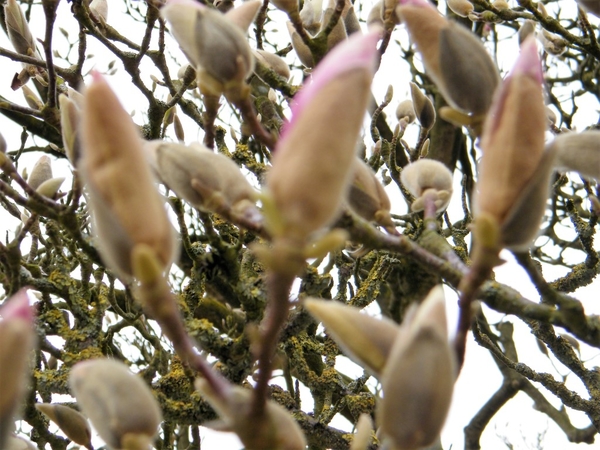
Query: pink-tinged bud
{"points": [[579, 152], [512, 142], [207, 180], [42, 171], [71, 422], [592, 6], [306, 183], [120, 405], [365, 339], [454, 58], [428, 178], [18, 29], [17, 340], [125, 204], [418, 378], [215, 44], [367, 196], [276, 430]]}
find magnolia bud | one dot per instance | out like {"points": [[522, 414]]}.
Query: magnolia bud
{"points": [[215, 43], [207, 180], [423, 107], [287, 6], [526, 30], [71, 422], [311, 15], [367, 197], [579, 152], [42, 171], [18, 443], [308, 185], [273, 62], [99, 9], [513, 138], [2, 144], [120, 405], [375, 17], [406, 111], [428, 177], [301, 49], [277, 430], [49, 188], [365, 339], [32, 99], [18, 29], [461, 8], [17, 340], [362, 437], [418, 378], [124, 202], [553, 44], [454, 58], [69, 124]]}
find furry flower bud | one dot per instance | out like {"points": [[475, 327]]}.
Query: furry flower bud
{"points": [[125, 204], [365, 339], [273, 62], [71, 422], [207, 180], [579, 152], [277, 430], [512, 144], [18, 443], [69, 124], [119, 404], [423, 107], [17, 340], [454, 58], [18, 29], [428, 177], [215, 44], [307, 184], [418, 378], [42, 171]]}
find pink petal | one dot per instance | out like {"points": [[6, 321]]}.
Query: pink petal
{"points": [[419, 3], [529, 62], [17, 307]]}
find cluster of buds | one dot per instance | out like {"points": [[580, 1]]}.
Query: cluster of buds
{"points": [[414, 363], [120, 405], [125, 204], [454, 58], [215, 44], [307, 185], [17, 340]]}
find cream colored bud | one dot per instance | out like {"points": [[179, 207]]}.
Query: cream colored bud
{"points": [[207, 180], [17, 340], [365, 339], [301, 49], [527, 29], [287, 6], [49, 188], [277, 430], [273, 62], [426, 176], [42, 171], [120, 405], [99, 9], [69, 124], [406, 111], [125, 204], [579, 152], [500, 5], [423, 107], [362, 437], [418, 378], [367, 197], [3, 145], [461, 8], [18, 29], [553, 44], [311, 15], [71, 422], [375, 17], [32, 99], [351, 22]]}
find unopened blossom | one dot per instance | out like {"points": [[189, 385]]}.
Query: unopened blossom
{"points": [[454, 58], [461, 8], [42, 171], [273, 62], [207, 180], [215, 44], [579, 152], [126, 207], [428, 178], [366, 340], [18, 29], [312, 165], [418, 378], [276, 430], [17, 340], [99, 9], [526, 29], [512, 144], [70, 421], [406, 111], [120, 404], [18, 443], [69, 124], [423, 107]]}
